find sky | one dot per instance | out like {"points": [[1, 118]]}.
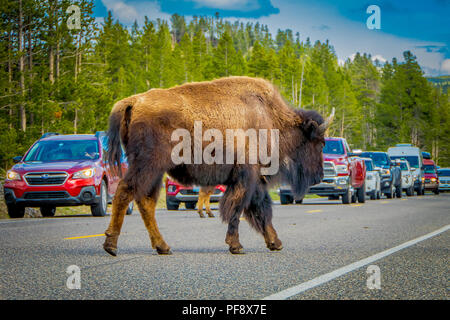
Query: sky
{"points": [[419, 26]]}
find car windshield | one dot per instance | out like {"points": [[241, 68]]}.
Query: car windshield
{"points": [[379, 159], [333, 147], [369, 166], [429, 168], [444, 173], [413, 160], [63, 150]]}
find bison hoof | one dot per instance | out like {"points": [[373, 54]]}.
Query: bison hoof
{"points": [[201, 215], [237, 250], [163, 250], [275, 246], [210, 214], [111, 251]]}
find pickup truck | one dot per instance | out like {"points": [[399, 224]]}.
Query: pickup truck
{"points": [[391, 175], [344, 175]]}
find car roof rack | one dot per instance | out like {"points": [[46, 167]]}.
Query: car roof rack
{"points": [[48, 134]]}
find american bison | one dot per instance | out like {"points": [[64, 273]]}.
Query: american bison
{"points": [[145, 124]]}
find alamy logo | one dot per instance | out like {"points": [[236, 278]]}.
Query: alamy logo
{"points": [[74, 280], [374, 279], [74, 21], [374, 20], [213, 153]]}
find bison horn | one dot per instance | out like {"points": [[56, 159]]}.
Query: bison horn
{"points": [[324, 126]]}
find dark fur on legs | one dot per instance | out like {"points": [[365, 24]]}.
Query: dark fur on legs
{"points": [[259, 215], [236, 198]]}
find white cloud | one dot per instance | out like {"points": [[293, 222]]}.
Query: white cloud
{"points": [[445, 67], [128, 12], [124, 12], [379, 57], [245, 5]]}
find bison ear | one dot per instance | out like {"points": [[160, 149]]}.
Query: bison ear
{"points": [[310, 129]]}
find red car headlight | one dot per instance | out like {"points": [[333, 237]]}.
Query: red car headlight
{"points": [[13, 176]]}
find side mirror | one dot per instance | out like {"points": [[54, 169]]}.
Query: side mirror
{"points": [[17, 159]]}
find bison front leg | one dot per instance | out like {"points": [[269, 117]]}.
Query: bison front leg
{"points": [[121, 200]]}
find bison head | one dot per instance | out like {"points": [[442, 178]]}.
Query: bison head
{"points": [[305, 165]]}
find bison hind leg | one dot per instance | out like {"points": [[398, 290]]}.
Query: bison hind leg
{"points": [[259, 215]]}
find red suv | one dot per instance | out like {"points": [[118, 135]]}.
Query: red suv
{"points": [[177, 193], [430, 178], [62, 170]]}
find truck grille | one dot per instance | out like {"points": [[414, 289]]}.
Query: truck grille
{"points": [[45, 178], [46, 195], [328, 169], [188, 192]]}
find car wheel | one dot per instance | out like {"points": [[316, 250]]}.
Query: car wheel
{"points": [[347, 196], [286, 199], [172, 205], [361, 193], [15, 211], [130, 208], [99, 209], [373, 195], [390, 194], [48, 211], [408, 192], [190, 205], [398, 192], [436, 191], [378, 194], [419, 191], [299, 201]]}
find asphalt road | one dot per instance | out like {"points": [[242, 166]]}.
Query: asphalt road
{"points": [[319, 237]]}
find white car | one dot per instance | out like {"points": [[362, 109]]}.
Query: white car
{"points": [[373, 184], [407, 177]]}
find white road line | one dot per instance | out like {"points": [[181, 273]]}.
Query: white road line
{"points": [[282, 295]]}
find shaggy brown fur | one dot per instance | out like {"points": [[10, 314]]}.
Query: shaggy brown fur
{"points": [[204, 197], [144, 124]]}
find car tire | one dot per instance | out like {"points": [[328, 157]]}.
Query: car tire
{"points": [[130, 208], [347, 196], [373, 195], [15, 211], [378, 194], [299, 201], [408, 192], [190, 205], [172, 205], [419, 191], [286, 199], [361, 193], [398, 192], [436, 191], [390, 194], [99, 209], [48, 211]]}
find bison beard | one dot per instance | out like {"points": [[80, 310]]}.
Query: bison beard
{"points": [[143, 124]]}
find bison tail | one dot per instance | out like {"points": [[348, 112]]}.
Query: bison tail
{"points": [[119, 120]]}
